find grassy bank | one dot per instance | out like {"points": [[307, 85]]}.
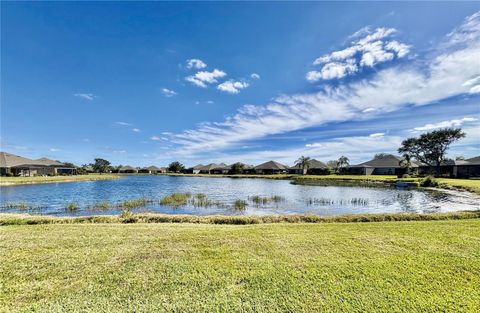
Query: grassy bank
{"points": [[396, 266], [6, 181], [27, 219]]}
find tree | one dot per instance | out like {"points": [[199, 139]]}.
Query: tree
{"points": [[304, 163], [430, 148], [101, 166], [406, 163], [238, 168], [460, 158], [175, 167], [333, 166], [343, 161]]}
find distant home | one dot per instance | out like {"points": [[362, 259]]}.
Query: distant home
{"points": [[221, 169], [455, 168], [271, 167], [15, 165], [382, 164], [208, 169], [127, 170], [152, 170], [315, 167], [246, 168], [194, 170]]}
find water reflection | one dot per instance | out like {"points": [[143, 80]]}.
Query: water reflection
{"points": [[262, 196]]}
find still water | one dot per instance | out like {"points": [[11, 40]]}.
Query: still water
{"points": [[296, 199]]}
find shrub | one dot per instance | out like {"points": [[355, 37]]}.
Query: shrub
{"points": [[72, 206], [428, 181], [239, 205]]}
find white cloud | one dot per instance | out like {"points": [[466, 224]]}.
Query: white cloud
{"points": [[440, 77], [168, 93], [86, 96], [446, 124], [232, 87], [195, 63], [136, 130], [255, 76], [202, 78], [376, 135], [372, 49], [155, 138], [54, 149], [123, 124]]}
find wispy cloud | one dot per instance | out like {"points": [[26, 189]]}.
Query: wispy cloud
{"points": [[444, 124], [232, 86], [86, 96], [438, 77], [195, 63], [123, 124], [367, 51], [255, 76], [54, 149], [155, 138], [168, 92], [202, 78], [136, 130]]}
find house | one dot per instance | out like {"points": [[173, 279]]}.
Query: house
{"points": [[221, 169], [53, 167], [246, 168], [315, 168], [271, 167], [454, 168], [193, 170], [381, 164], [127, 170], [150, 170], [208, 169], [15, 165]]}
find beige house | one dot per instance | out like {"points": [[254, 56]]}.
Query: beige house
{"points": [[21, 166]]}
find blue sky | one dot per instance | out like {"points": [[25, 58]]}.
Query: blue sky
{"points": [[148, 83]]}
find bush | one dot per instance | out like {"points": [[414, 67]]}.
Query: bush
{"points": [[428, 181]]}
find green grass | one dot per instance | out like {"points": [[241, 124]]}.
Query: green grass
{"points": [[359, 267], [5, 181], [176, 199]]}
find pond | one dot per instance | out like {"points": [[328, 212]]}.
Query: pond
{"points": [[276, 197]]}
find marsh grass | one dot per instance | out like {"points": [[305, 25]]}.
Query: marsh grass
{"points": [[176, 199], [135, 203], [239, 205], [327, 201], [71, 207], [26, 219], [259, 200], [21, 206], [100, 206]]}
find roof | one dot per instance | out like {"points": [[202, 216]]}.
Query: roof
{"points": [[312, 164], [271, 165], [152, 168], [49, 162], [385, 160], [127, 168], [211, 166], [474, 160], [245, 166], [11, 160], [196, 167]]}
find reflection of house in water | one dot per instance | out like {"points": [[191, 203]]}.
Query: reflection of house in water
{"points": [[15, 165]]}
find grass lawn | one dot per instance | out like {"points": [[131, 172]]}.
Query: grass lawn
{"points": [[53, 179], [413, 266]]}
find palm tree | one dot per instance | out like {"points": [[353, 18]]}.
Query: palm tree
{"points": [[343, 161], [304, 163]]}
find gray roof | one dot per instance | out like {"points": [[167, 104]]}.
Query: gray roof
{"points": [[312, 165], [152, 168], [271, 165], [211, 166], [127, 168], [12, 160], [387, 160], [49, 162], [474, 160], [196, 167]]}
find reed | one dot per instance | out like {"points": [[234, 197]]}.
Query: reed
{"points": [[240, 205], [135, 203], [176, 199], [71, 207]]}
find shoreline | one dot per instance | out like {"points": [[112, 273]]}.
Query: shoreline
{"points": [[7, 219], [10, 181]]}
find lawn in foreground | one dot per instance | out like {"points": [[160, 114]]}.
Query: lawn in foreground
{"points": [[387, 266]]}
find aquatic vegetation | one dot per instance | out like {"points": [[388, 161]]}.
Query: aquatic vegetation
{"points": [[176, 199], [100, 205], [71, 206], [239, 205], [135, 203], [326, 201], [24, 206], [259, 200]]}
